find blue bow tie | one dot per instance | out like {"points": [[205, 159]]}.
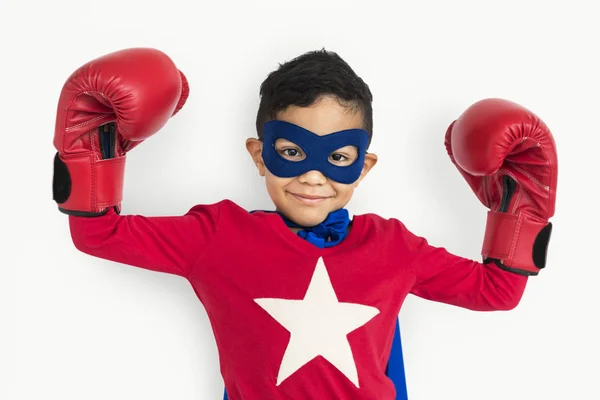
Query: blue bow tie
{"points": [[326, 234]]}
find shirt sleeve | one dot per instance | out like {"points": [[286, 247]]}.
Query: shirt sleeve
{"points": [[163, 244], [447, 278]]}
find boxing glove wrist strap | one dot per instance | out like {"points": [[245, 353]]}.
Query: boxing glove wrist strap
{"points": [[86, 186], [516, 243]]}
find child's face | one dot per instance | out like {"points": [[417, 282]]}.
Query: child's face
{"points": [[307, 199]]}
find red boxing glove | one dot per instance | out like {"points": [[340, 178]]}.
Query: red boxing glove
{"points": [[508, 157], [107, 107]]}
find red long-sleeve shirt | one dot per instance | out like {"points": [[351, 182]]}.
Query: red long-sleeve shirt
{"points": [[291, 320]]}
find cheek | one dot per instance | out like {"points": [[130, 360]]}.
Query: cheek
{"points": [[344, 192], [276, 185]]}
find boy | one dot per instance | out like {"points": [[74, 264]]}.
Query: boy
{"points": [[302, 301]]}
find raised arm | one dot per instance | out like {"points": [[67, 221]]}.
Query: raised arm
{"points": [[447, 278], [164, 244], [106, 108], [507, 155]]}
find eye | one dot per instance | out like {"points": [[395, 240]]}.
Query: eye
{"points": [[337, 157], [344, 156], [291, 152]]}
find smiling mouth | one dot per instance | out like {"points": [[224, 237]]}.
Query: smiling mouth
{"points": [[309, 200]]}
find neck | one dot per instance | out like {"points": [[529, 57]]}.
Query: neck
{"points": [[293, 225]]}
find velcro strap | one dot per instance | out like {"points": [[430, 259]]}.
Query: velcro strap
{"points": [[510, 239], [95, 184]]}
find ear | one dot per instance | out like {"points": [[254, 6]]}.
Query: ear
{"points": [[370, 161], [254, 147]]}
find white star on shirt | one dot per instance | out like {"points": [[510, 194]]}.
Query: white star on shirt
{"points": [[319, 325]]}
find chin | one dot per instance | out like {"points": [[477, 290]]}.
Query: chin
{"points": [[310, 217]]}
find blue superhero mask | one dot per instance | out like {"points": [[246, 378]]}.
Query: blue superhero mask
{"points": [[317, 150]]}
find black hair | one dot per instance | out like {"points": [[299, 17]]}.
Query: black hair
{"points": [[304, 79]]}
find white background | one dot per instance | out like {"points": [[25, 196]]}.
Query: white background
{"points": [[84, 328]]}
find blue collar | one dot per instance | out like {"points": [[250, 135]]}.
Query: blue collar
{"points": [[326, 234]]}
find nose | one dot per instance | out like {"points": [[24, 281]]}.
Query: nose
{"points": [[313, 177]]}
